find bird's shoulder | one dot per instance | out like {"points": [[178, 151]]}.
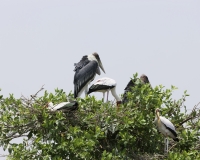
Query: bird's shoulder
{"points": [[84, 61], [167, 122]]}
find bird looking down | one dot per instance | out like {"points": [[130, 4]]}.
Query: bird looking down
{"points": [[103, 85], [144, 79], [85, 72]]}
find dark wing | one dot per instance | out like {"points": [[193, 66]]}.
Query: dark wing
{"points": [[83, 76], [129, 85], [126, 90], [99, 87], [83, 62]]}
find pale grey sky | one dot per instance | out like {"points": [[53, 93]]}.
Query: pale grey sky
{"points": [[41, 40]]}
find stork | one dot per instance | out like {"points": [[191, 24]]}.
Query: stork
{"points": [[63, 105], [166, 128], [103, 85], [131, 84], [85, 72]]}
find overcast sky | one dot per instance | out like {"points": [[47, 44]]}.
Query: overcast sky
{"points": [[41, 40]]}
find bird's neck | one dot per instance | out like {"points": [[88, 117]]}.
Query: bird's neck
{"points": [[91, 57], [157, 115], [113, 91]]}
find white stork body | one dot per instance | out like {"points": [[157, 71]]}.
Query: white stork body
{"points": [[103, 85], [85, 72], [62, 105], [166, 128]]}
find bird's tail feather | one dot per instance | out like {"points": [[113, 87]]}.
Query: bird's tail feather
{"points": [[176, 139]]}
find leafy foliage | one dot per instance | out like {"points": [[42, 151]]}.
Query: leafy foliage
{"points": [[98, 130]]}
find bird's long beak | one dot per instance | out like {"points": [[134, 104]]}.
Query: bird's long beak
{"points": [[101, 66]]}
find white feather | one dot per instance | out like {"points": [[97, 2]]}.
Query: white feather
{"points": [[91, 57], [167, 123], [106, 81], [58, 106]]}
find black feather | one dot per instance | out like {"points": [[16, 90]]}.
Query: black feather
{"points": [[83, 62], [69, 108], [144, 79], [126, 90], [95, 88], [83, 76], [173, 132]]}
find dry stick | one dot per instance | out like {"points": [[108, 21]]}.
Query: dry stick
{"points": [[190, 117], [173, 146]]}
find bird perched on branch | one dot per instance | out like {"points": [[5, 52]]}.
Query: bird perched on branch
{"points": [[103, 85], [85, 72], [131, 84], [166, 128], [73, 105]]}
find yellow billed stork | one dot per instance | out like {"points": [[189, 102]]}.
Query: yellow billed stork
{"points": [[166, 128]]}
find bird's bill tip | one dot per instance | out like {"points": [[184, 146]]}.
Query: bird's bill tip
{"points": [[101, 66]]}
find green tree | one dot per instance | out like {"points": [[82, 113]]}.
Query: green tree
{"points": [[98, 130]]}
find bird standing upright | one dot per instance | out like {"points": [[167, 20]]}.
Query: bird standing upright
{"points": [[166, 128], [131, 84], [103, 85], [85, 72]]}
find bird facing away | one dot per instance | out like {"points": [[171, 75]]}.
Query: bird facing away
{"points": [[165, 127], [62, 106], [131, 84], [85, 72], [103, 85]]}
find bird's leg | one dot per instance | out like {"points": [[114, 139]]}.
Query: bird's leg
{"points": [[164, 145], [107, 94], [86, 89], [167, 144]]}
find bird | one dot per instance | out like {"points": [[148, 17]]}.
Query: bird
{"points": [[166, 128], [73, 105], [85, 72], [144, 79], [103, 85]]}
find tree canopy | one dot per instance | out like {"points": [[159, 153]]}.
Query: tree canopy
{"points": [[98, 130]]}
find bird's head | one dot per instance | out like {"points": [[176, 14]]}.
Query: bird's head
{"points": [[118, 103], [157, 110], [99, 61], [144, 78]]}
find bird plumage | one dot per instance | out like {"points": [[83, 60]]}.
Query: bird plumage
{"points": [[103, 85], [144, 79], [84, 76], [85, 72], [62, 106], [165, 126]]}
